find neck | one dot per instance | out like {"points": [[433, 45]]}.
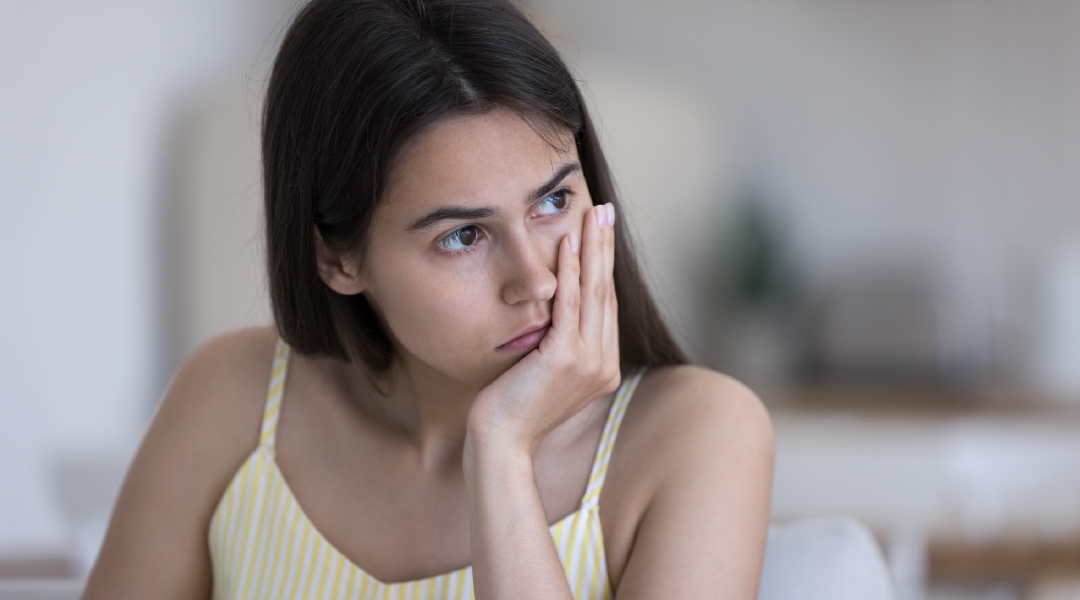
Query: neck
{"points": [[428, 411], [423, 407]]}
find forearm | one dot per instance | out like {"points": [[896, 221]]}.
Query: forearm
{"points": [[513, 554]]}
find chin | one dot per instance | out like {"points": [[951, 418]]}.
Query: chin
{"points": [[485, 375]]}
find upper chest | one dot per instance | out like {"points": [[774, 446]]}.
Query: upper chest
{"points": [[370, 494]]}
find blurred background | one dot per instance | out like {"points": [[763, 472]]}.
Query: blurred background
{"points": [[868, 210]]}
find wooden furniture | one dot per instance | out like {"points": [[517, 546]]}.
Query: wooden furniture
{"points": [[988, 480]]}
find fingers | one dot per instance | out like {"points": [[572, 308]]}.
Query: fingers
{"points": [[585, 310], [611, 246], [566, 307], [611, 308], [596, 237]]}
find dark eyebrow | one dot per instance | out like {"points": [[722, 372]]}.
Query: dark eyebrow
{"points": [[559, 175], [446, 213], [461, 213]]}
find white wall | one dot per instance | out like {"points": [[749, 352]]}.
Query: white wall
{"points": [[929, 131], [941, 135], [217, 250], [90, 91]]}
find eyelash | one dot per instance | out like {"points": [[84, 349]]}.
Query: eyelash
{"points": [[565, 193], [457, 233]]}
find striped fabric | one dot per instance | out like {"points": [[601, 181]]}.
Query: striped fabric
{"points": [[263, 546]]}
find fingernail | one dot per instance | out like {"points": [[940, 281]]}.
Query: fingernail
{"points": [[600, 216], [573, 243], [611, 214]]}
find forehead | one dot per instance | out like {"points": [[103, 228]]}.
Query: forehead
{"points": [[475, 160]]}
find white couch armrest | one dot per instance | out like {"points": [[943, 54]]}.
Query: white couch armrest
{"points": [[824, 559]]}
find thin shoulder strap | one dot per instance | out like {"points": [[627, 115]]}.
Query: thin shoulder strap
{"points": [[607, 439], [272, 410]]}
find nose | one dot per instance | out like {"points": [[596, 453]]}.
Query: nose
{"points": [[529, 270]]}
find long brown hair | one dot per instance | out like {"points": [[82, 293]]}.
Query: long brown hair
{"points": [[354, 81]]}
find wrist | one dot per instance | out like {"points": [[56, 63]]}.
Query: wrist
{"points": [[496, 447], [495, 474], [493, 456], [489, 431]]}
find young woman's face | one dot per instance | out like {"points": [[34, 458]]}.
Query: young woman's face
{"points": [[462, 252]]}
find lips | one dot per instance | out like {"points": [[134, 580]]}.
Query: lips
{"points": [[529, 339]]}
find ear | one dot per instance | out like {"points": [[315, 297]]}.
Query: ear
{"points": [[339, 274]]}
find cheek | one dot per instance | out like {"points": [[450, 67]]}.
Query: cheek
{"points": [[442, 319], [576, 220], [437, 313], [573, 222]]}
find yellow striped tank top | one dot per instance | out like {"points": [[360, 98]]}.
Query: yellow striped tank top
{"points": [[263, 546]]}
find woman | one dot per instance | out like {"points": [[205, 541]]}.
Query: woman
{"points": [[460, 329]]}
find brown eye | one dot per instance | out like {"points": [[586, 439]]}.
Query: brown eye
{"points": [[467, 235], [556, 202], [461, 238]]}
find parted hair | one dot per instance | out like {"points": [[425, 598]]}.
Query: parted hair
{"points": [[353, 82]]}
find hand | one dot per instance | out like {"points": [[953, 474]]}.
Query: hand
{"points": [[578, 359]]}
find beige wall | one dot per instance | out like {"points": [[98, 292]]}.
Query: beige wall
{"points": [[940, 137], [936, 138], [218, 280]]}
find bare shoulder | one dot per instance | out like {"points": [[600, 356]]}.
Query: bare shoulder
{"points": [[206, 426], [688, 487], [692, 406], [211, 414], [221, 388]]}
